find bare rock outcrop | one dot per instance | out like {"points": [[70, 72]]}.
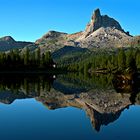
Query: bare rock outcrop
{"points": [[101, 31], [98, 21]]}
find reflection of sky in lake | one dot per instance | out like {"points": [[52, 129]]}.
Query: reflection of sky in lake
{"points": [[29, 119]]}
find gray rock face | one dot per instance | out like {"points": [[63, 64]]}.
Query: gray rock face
{"points": [[54, 40], [98, 21], [102, 31], [104, 38], [110, 22]]}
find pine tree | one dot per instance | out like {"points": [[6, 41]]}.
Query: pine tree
{"points": [[121, 59], [26, 57], [38, 56], [48, 59]]}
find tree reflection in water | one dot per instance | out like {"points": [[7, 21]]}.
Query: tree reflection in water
{"points": [[102, 99]]}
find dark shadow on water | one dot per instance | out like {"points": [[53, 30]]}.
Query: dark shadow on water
{"points": [[127, 84], [20, 86], [100, 96]]}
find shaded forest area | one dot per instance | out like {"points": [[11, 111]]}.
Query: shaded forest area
{"points": [[121, 60], [30, 83], [26, 60]]}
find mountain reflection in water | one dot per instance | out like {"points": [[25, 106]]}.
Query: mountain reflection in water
{"points": [[94, 94]]}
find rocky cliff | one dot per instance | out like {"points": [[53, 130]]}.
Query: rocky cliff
{"points": [[54, 40], [98, 21], [101, 31]]}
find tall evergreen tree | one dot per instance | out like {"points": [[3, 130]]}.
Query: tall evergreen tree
{"points": [[38, 56], [121, 59], [26, 57]]}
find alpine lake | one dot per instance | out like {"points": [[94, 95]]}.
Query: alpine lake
{"points": [[69, 107]]}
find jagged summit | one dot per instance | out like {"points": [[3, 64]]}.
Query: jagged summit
{"points": [[96, 13], [101, 31], [98, 21]]}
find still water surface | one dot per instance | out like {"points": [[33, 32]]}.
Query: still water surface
{"points": [[70, 107]]}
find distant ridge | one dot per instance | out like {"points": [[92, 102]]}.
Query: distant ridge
{"points": [[8, 43], [101, 32]]}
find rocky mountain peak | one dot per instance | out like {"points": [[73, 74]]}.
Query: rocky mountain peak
{"points": [[7, 38], [96, 14], [8, 43], [98, 21], [53, 34], [101, 31]]}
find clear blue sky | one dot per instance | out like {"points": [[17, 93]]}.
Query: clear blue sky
{"points": [[30, 19]]}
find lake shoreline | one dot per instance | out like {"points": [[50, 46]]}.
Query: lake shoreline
{"points": [[30, 71]]}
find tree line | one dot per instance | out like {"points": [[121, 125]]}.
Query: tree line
{"points": [[25, 60], [118, 60], [29, 83]]}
